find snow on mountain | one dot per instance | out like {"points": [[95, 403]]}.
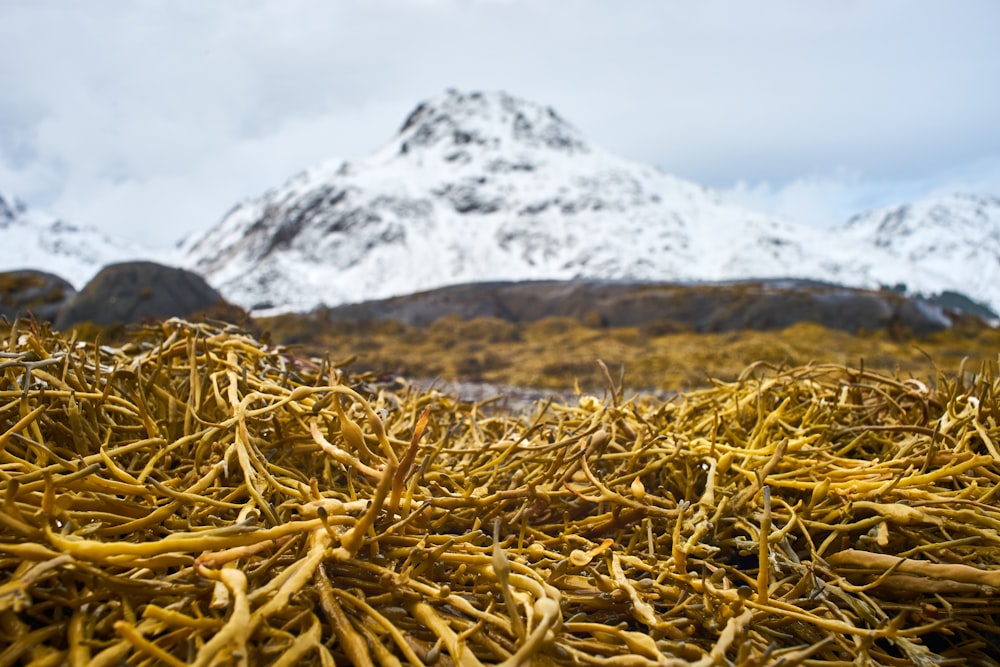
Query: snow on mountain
{"points": [[949, 242], [38, 241], [487, 186]]}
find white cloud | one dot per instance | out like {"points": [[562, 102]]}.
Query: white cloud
{"points": [[820, 201]]}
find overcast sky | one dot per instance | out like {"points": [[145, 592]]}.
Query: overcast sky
{"points": [[150, 119]]}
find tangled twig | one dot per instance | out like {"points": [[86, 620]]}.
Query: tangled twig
{"points": [[200, 498]]}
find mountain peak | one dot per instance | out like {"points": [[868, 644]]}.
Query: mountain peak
{"points": [[476, 187], [485, 186], [461, 123]]}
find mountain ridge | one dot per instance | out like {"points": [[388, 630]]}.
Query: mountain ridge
{"points": [[487, 186], [937, 236], [490, 187]]}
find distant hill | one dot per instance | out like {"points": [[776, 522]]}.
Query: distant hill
{"points": [[702, 308]]}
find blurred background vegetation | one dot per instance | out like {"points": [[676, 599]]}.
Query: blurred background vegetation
{"points": [[560, 352]]}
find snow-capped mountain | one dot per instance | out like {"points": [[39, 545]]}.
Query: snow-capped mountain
{"points": [[947, 242], [487, 186], [38, 241]]}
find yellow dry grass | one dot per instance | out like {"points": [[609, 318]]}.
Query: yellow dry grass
{"points": [[556, 353]]}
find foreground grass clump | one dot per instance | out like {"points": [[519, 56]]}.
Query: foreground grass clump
{"points": [[196, 497]]}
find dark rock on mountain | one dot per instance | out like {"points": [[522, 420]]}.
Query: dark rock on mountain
{"points": [[10, 210], [132, 292], [36, 292], [700, 307]]}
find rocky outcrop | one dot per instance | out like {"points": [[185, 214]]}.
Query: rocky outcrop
{"points": [[132, 292], [34, 293]]}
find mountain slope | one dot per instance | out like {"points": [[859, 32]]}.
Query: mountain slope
{"points": [[38, 241], [940, 243], [486, 186]]}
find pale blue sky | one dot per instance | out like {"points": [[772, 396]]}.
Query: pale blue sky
{"points": [[151, 118]]}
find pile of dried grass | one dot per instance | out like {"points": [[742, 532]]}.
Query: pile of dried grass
{"points": [[198, 498]]}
